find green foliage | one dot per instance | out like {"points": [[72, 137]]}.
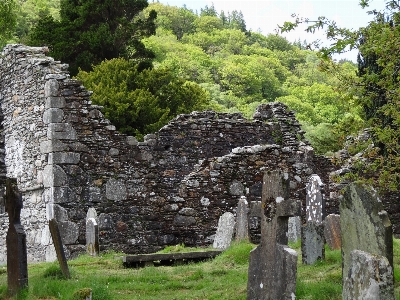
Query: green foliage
{"points": [[376, 89], [90, 31], [8, 13], [139, 103]]}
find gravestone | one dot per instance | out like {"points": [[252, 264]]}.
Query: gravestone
{"points": [[17, 262], [242, 221], [273, 265], [365, 223], [91, 213], [62, 260], [92, 237], [312, 233], [223, 237], [370, 277], [332, 231], [294, 229]]}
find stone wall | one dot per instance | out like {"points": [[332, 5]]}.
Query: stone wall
{"points": [[169, 189]]}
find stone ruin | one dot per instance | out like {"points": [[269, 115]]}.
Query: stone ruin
{"points": [[172, 188]]}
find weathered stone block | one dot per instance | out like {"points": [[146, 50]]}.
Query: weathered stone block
{"points": [[54, 175], [223, 237], [332, 231], [53, 115], [55, 102], [116, 190], [184, 220], [61, 131], [53, 145], [64, 158], [365, 223], [51, 88], [369, 277], [59, 195], [69, 232], [294, 229]]}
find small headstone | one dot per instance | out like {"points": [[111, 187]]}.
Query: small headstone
{"points": [[242, 221], [62, 260], [273, 265], [312, 246], [370, 277], [312, 233], [366, 225], [91, 213], [92, 237], [315, 205], [332, 231], [223, 237], [294, 229], [17, 262]]}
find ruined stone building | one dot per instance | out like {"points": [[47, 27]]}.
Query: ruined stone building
{"points": [[169, 189]]}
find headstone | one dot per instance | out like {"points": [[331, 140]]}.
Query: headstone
{"points": [[273, 265], [370, 277], [62, 260], [365, 223], [223, 237], [92, 237], [315, 205], [312, 246], [91, 213], [294, 229], [17, 262], [332, 231], [242, 221], [312, 233]]}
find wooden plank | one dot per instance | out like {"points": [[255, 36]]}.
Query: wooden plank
{"points": [[131, 260]]}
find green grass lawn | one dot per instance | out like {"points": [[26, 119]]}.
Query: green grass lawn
{"points": [[225, 277]]}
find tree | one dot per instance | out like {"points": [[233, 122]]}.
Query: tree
{"points": [[7, 20], [376, 89], [141, 102], [90, 31]]}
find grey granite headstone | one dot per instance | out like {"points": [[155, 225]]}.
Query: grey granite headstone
{"points": [[370, 277], [312, 233], [273, 265], [62, 260], [242, 220], [294, 229], [223, 237], [366, 224], [17, 263], [332, 231], [92, 237], [312, 246]]}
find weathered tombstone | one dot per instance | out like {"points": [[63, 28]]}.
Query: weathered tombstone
{"points": [[332, 231], [370, 277], [92, 237], [91, 213], [273, 265], [312, 233], [294, 229], [366, 224], [55, 234], [242, 221], [223, 237], [17, 262]]}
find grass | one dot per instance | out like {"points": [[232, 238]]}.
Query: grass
{"points": [[225, 277]]}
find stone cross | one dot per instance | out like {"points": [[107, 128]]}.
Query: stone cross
{"points": [[92, 237], [366, 225], [242, 220], [17, 262], [313, 241], [273, 265], [56, 236], [223, 237]]}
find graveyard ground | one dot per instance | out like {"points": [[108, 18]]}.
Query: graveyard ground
{"points": [[222, 278]]}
